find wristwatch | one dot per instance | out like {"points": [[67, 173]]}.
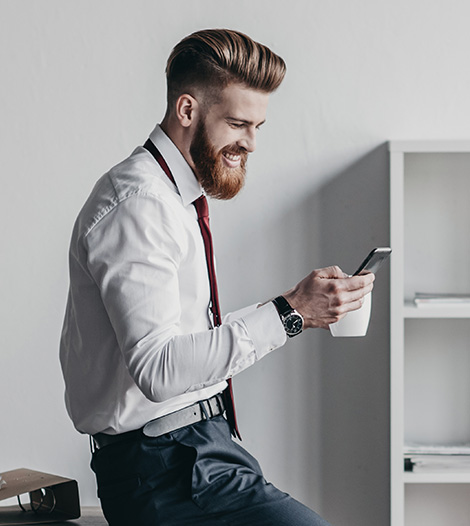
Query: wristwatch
{"points": [[291, 319]]}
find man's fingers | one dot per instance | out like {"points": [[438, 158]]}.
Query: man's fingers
{"points": [[348, 300], [326, 295], [356, 304], [333, 272], [359, 282]]}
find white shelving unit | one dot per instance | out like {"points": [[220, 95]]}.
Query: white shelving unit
{"points": [[430, 346]]}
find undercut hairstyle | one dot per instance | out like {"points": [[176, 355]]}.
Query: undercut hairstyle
{"points": [[208, 61]]}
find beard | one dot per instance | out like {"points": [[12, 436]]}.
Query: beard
{"points": [[217, 180]]}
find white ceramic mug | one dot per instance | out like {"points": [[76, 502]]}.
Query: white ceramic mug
{"points": [[356, 322]]}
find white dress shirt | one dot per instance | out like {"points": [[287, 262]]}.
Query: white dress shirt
{"points": [[137, 341]]}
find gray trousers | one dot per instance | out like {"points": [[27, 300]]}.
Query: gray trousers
{"points": [[195, 476]]}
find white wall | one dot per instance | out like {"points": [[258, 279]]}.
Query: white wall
{"points": [[82, 83]]}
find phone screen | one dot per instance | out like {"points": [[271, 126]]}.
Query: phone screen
{"points": [[374, 260]]}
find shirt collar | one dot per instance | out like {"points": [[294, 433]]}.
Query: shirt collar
{"points": [[186, 182]]}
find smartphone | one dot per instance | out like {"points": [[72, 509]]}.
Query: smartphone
{"points": [[374, 260]]}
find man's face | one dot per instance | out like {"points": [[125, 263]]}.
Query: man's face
{"points": [[224, 137]]}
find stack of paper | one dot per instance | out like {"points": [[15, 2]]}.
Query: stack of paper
{"points": [[426, 299], [437, 458]]}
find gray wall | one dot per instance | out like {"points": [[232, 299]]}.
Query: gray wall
{"points": [[82, 83]]}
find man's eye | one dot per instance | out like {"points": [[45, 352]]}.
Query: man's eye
{"points": [[235, 125]]}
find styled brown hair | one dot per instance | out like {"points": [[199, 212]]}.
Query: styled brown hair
{"points": [[211, 59]]}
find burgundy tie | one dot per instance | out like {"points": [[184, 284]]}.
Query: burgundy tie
{"points": [[202, 209]]}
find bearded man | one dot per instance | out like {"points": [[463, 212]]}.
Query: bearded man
{"points": [[146, 356]]}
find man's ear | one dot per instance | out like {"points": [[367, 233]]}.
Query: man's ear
{"points": [[186, 109]]}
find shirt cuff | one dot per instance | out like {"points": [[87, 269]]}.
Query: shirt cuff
{"points": [[240, 313], [265, 329]]}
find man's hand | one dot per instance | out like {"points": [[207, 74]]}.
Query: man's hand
{"points": [[327, 295]]}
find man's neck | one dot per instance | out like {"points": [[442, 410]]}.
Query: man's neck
{"points": [[179, 137]]}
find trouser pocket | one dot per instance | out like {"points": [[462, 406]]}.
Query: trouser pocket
{"points": [[225, 477]]}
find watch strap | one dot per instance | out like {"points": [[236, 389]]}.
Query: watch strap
{"points": [[282, 305]]}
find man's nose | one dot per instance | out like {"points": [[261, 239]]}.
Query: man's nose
{"points": [[248, 141]]}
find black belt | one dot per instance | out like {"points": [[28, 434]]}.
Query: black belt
{"points": [[203, 410]]}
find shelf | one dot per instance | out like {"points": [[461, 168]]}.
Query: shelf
{"points": [[445, 311], [413, 146], [429, 345], [460, 477]]}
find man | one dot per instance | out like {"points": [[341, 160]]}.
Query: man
{"points": [[145, 363]]}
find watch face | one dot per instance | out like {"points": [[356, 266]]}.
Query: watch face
{"points": [[293, 324]]}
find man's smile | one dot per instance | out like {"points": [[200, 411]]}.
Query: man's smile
{"points": [[231, 160]]}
